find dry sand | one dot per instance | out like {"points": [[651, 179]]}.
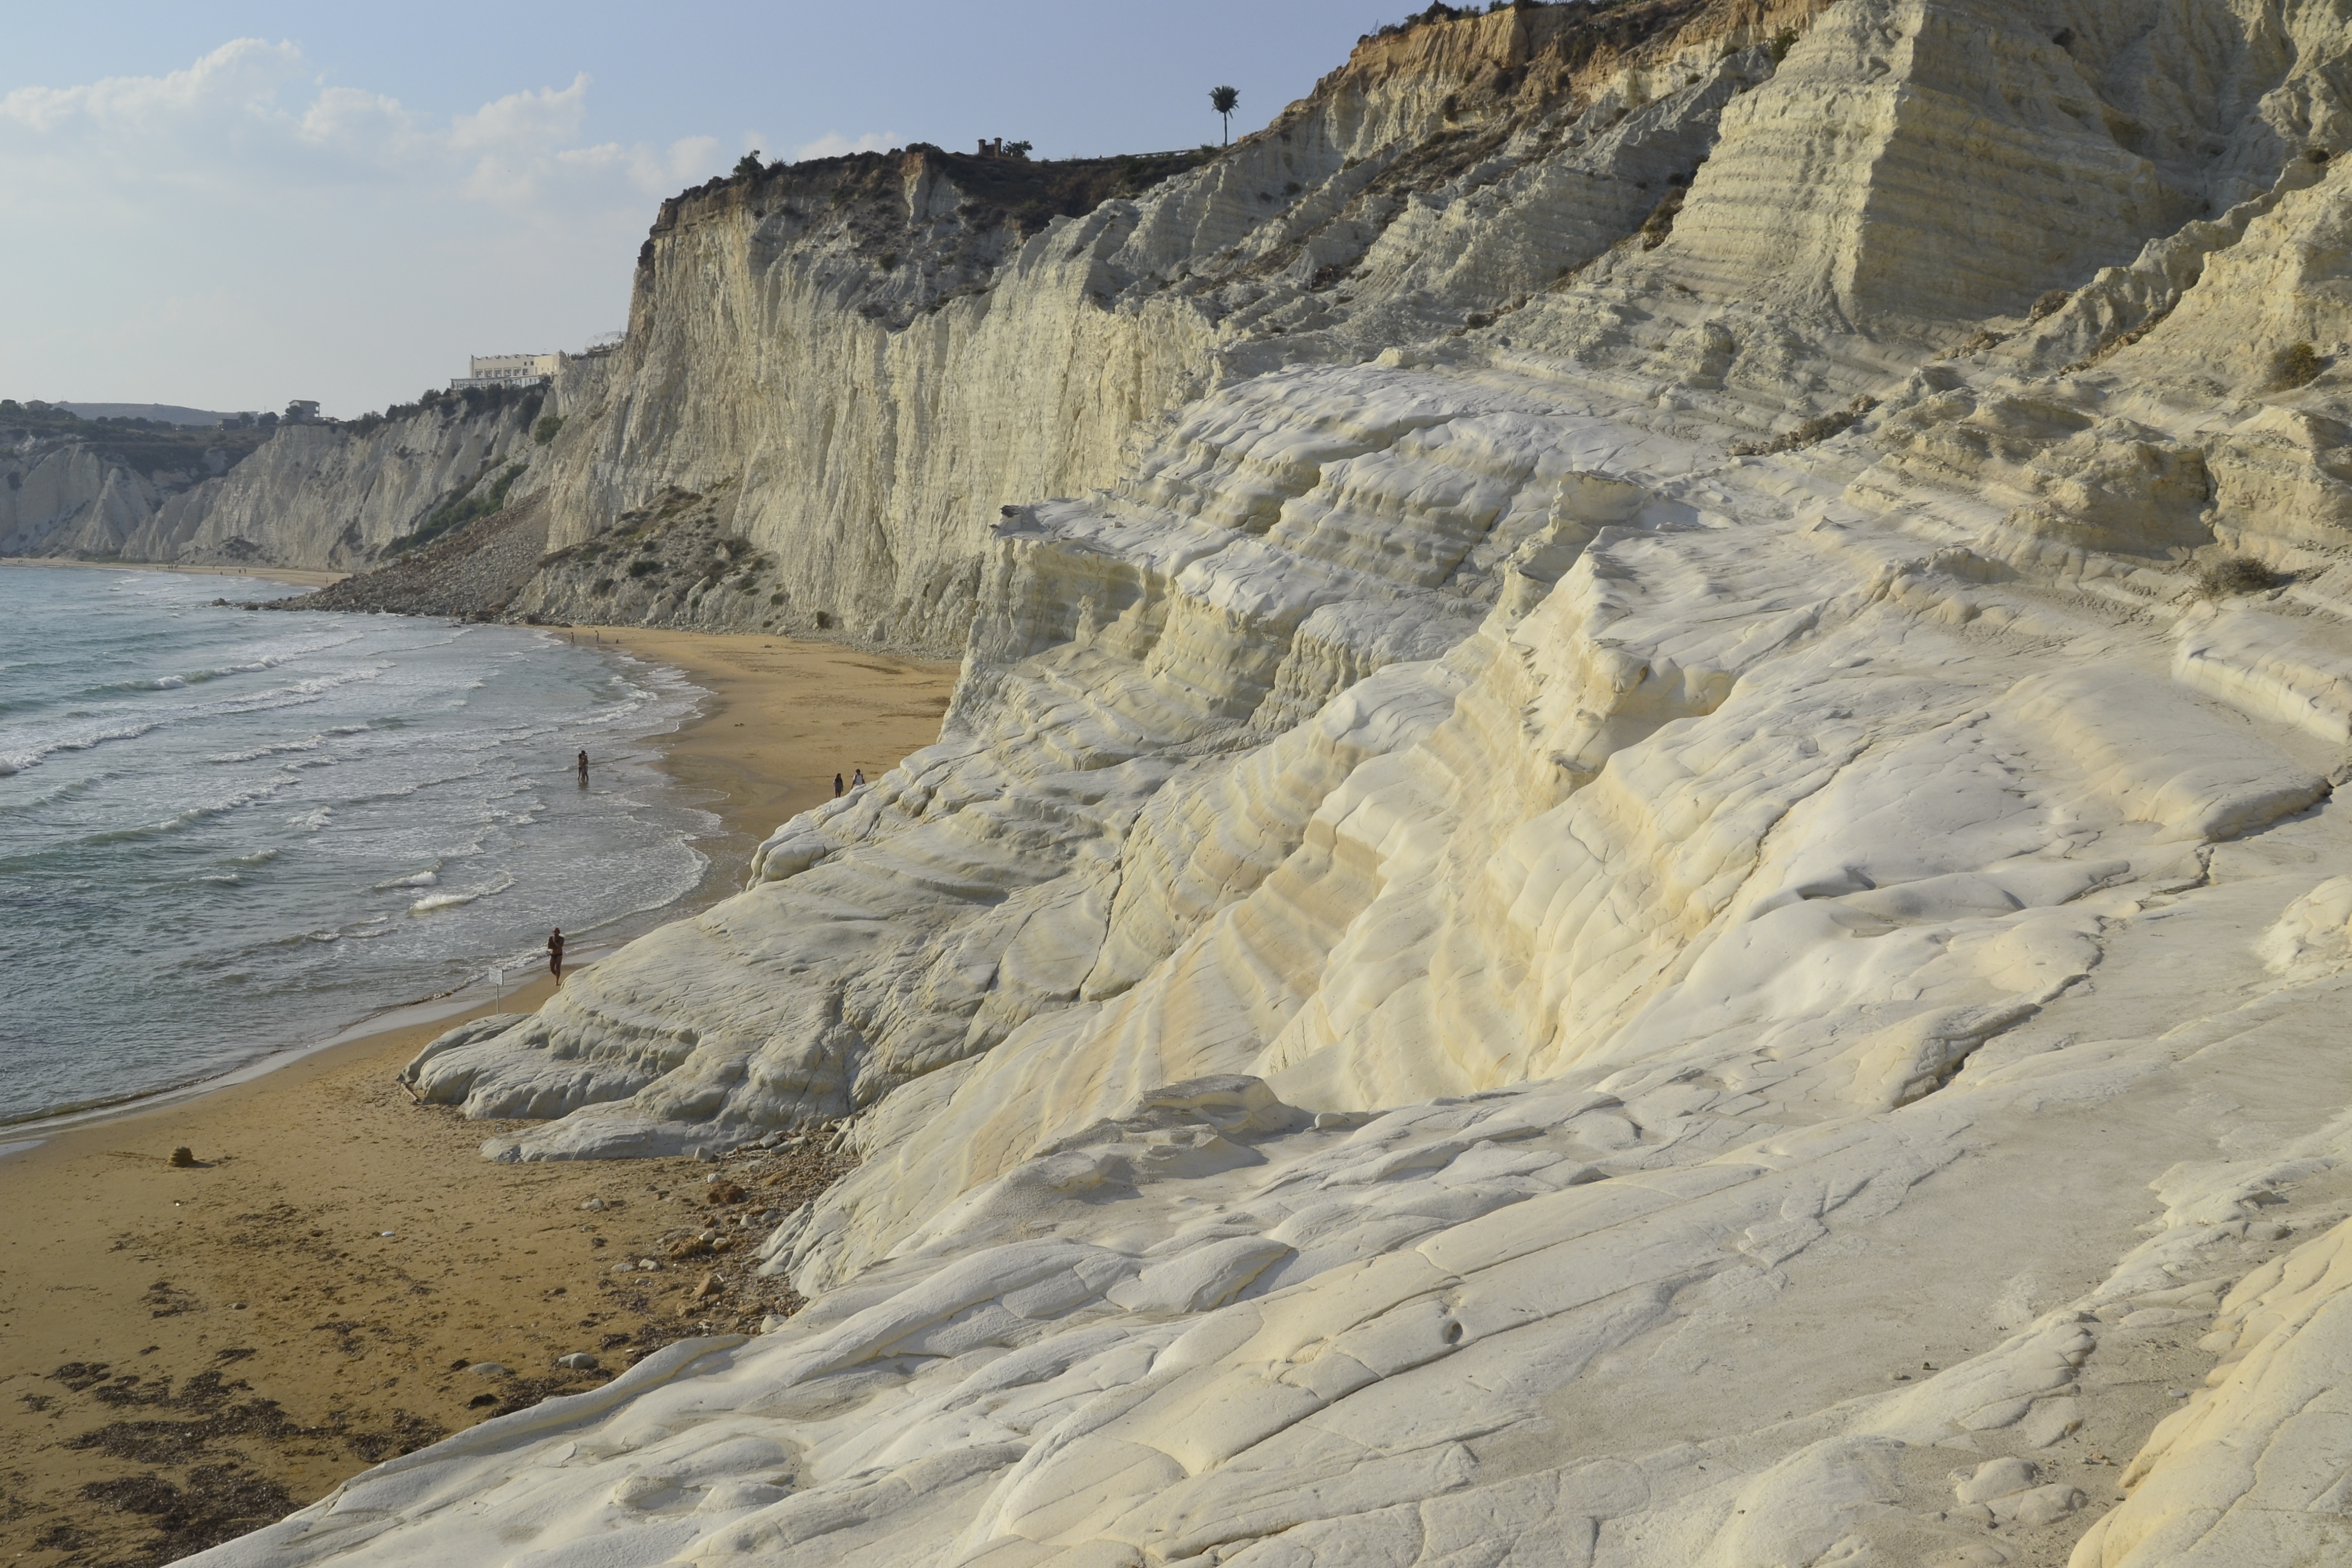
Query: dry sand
{"points": [[187, 1352]]}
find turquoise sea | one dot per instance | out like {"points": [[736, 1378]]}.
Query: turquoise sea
{"points": [[227, 833]]}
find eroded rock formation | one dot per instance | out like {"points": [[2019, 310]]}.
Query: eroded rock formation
{"points": [[1695, 917]]}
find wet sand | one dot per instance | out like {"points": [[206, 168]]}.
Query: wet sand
{"points": [[188, 1352]]}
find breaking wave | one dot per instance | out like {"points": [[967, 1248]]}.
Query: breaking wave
{"points": [[437, 901]]}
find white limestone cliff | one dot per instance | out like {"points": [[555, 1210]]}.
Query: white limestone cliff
{"points": [[318, 497], [870, 357], [322, 496], [1563, 945], [64, 496]]}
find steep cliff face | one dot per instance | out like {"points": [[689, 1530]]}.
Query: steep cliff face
{"points": [[1916, 176], [875, 354], [1618, 934], [67, 498], [868, 357]]}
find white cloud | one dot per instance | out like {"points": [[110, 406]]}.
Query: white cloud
{"points": [[239, 77], [544, 117], [833, 144], [239, 232]]}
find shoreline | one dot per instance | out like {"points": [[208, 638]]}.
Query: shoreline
{"points": [[242, 1333], [259, 573], [755, 782], [401, 1018], [711, 771]]}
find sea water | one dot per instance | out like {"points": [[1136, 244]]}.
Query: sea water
{"points": [[226, 833]]}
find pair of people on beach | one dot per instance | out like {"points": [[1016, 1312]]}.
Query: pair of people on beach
{"points": [[555, 937]]}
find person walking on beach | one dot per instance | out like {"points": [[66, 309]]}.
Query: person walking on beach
{"points": [[837, 786], [555, 955], [857, 779], [584, 767]]}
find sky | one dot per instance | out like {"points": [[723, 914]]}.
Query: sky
{"points": [[232, 206]]}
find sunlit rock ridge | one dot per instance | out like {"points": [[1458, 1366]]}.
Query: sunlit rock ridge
{"points": [[1652, 883]]}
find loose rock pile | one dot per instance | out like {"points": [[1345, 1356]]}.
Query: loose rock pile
{"points": [[473, 573]]}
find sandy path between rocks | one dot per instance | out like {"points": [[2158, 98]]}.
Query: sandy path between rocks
{"points": [[186, 1352]]}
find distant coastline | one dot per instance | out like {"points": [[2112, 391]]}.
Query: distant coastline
{"points": [[261, 574]]}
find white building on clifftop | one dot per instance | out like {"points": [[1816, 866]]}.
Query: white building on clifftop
{"points": [[507, 370]]}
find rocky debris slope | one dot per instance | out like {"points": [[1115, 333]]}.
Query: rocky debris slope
{"points": [[473, 572], [676, 562], [1486, 971]]}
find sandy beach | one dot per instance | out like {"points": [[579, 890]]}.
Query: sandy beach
{"points": [[782, 719], [186, 1352]]}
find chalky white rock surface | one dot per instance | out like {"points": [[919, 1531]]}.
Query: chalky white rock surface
{"points": [[1477, 979]]}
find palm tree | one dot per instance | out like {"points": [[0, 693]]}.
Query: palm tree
{"points": [[1221, 100]]}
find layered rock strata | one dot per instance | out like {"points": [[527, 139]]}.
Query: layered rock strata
{"points": [[1478, 976]]}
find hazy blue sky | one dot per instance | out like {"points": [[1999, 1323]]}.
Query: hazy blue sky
{"points": [[230, 205]]}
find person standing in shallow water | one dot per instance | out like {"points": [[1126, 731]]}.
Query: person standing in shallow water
{"points": [[555, 955], [837, 786], [584, 767]]}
